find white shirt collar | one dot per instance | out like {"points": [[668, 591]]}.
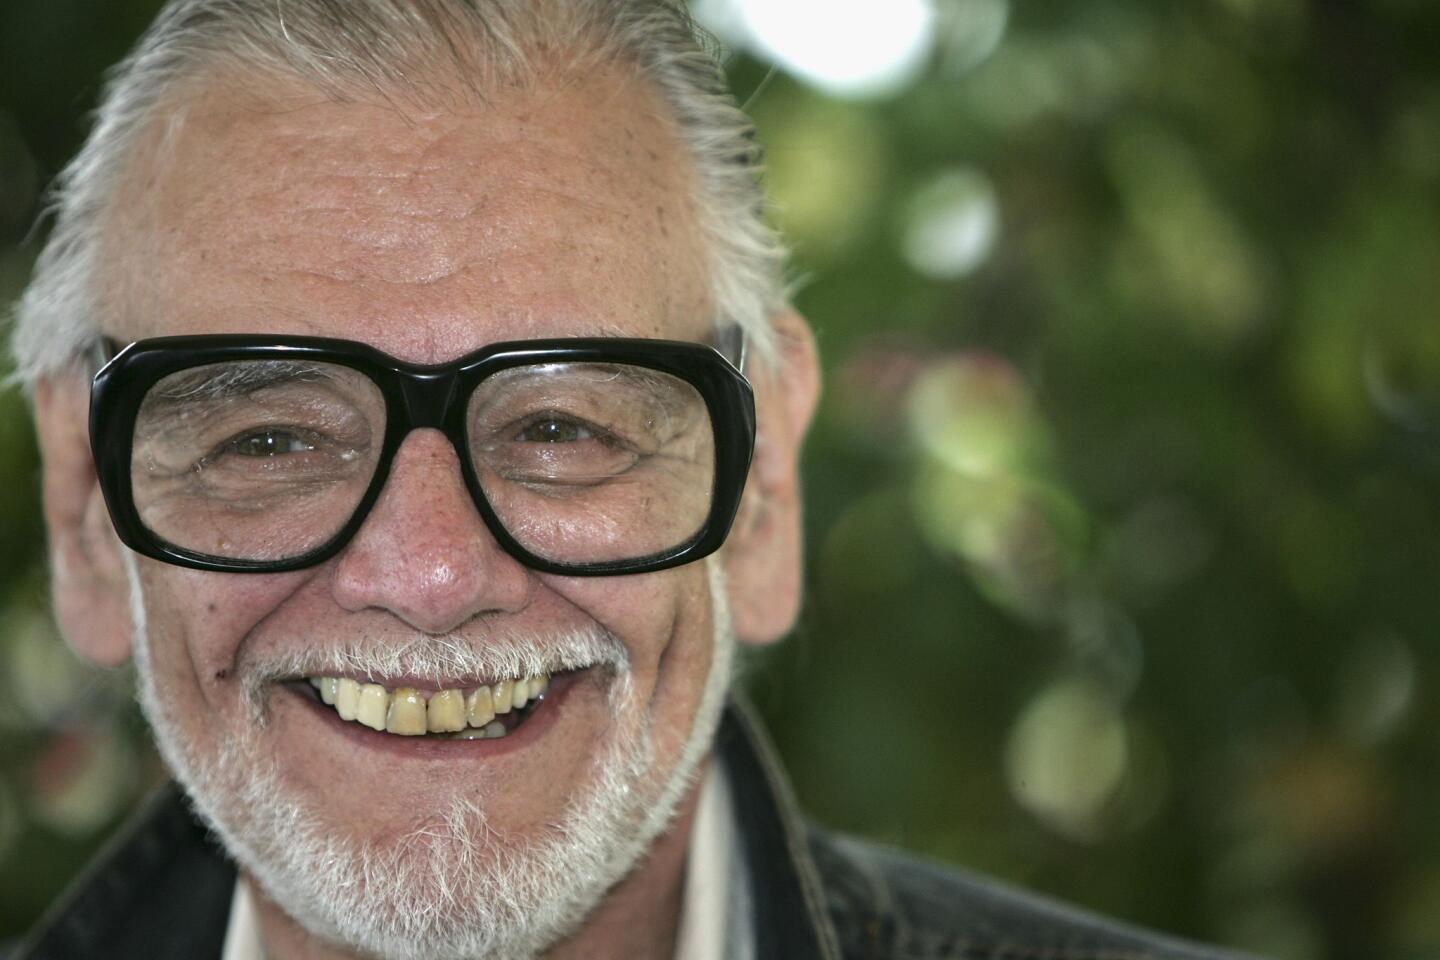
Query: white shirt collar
{"points": [[242, 935], [707, 873]]}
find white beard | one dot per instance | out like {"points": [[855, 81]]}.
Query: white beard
{"points": [[454, 887]]}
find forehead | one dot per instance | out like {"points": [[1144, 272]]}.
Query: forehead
{"points": [[561, 211]]}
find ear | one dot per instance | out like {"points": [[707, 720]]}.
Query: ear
{"points": [[88, 583], [763, 555]]}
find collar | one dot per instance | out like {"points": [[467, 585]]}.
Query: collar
{"points": [[790, 918], [162, 888], [712, 922]]}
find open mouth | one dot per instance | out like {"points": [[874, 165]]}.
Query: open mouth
{"points": [[478, 712]]}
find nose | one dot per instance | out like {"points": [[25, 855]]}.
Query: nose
{"points": [[424, 554]]}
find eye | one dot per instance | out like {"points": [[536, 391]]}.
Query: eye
{"points": [[553, 430], [269, 443]]}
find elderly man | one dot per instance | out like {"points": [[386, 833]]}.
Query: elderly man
{"points": [[425, 334]]}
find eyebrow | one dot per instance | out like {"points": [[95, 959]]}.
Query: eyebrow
{"points": [[231, 381]]}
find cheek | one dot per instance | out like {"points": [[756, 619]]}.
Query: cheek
{"points": [[666, 622], [649, 613], [196, 624]]}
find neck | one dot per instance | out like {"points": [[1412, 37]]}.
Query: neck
{"points": [[638, 918]]}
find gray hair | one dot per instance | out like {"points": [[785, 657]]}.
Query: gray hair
{"points": [[400, 48]]}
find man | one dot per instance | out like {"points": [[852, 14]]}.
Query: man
{"points": [[418, 427]]}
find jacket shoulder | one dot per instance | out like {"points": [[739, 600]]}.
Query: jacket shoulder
{"points": [[160, 890], [889, 906]]}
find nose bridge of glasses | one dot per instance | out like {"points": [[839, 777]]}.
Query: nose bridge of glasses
{"points": [[426, 397]]}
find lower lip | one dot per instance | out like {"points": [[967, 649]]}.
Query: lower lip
{"points": [[535, 726]]}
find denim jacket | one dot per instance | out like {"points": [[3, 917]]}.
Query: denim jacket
{"points": [[161, 890]]}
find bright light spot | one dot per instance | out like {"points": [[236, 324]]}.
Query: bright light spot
{"points": [[953, 223], [970, 31], [722, 18], [1067, 756], [1019, 539], [974, 413], [847, 48]]}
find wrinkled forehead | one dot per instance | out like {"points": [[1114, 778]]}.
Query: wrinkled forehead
{"points": [[566, 210]]}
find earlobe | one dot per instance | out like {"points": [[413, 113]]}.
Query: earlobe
{"points": [[88, 583], [764, 554]]}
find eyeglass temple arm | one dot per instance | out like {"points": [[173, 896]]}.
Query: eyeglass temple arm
{"points": [[733, 345], [104, 349]]}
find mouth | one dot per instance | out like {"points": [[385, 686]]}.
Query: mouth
{"points": [[482, 711]]}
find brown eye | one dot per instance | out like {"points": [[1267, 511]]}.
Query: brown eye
{"points": [[269, 443], [554, 431]]}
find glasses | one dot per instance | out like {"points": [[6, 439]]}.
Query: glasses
{"points": [[585, 456]]}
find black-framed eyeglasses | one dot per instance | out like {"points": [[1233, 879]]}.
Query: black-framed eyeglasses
{"points": [[588, 456]]}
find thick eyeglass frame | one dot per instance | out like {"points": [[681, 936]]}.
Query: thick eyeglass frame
{"points": [[419, 396]]}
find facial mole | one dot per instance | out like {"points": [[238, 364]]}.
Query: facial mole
{"points": [[222, 674]]}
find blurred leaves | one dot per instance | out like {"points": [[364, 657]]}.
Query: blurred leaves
{"points": [[1124, 500]]}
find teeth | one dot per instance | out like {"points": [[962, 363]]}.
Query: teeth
{"points": [[501, 694], [374, 705], [480, 708], [407, 712], [347, 698], [493, 730], [446, 712]]}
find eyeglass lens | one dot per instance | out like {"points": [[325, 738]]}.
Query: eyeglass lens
{"points": [[267, 460]]}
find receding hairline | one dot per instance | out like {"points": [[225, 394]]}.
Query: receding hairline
{"points": [[279, 89], [416, 54]]}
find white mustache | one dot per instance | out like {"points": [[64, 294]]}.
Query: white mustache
{"points": [[439, 661]]}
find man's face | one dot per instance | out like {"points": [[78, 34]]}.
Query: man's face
{"points": [[554, 213]]}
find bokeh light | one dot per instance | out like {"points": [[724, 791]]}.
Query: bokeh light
{"points": [[952, 223], [1066, 756], [852, 48], [968, 32]]}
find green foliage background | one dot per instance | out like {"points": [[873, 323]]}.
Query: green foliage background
{"points": [[1124, 499]]}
